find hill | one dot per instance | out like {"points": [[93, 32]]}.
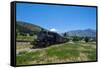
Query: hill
{"points": [[24, 27]]}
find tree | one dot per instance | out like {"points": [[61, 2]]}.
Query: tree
{"points": [[23, 34], [76, 38], [86, 39], [65, 35], [94, 39], [32, 33], [67, 39]]}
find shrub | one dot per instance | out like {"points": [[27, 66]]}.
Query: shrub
{"points": [[67, 39], [86, 39], [76, 38]]}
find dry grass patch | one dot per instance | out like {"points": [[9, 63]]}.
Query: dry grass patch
{"points": [[59, 53]]}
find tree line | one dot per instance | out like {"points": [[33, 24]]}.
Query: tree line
{"points": [[78, 38]]}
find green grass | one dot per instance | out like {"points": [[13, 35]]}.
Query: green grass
{"points": [[65, 52], [26, 57], [26, 38]]}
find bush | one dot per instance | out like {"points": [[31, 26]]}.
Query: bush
{"points": [[34, 42], [67, 39], [23, 34], [86, 39], [93, 39], [76, 38]]}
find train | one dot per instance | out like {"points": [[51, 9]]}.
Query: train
{"points": [[47, 38]]}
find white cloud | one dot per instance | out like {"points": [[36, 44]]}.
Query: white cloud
{"points": [[53, 29]]}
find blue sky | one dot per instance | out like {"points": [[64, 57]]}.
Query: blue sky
{"points": [[58, 18]]}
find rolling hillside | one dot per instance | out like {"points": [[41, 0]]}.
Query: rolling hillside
{"points": [[24, 27]]}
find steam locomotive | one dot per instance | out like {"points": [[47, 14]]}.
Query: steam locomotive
{"points": [[47, 38]]}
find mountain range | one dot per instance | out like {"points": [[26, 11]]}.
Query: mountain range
{"points": [[82, 33]]}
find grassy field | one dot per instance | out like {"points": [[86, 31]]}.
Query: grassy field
{"points": [[59, 53], [25, 38]]}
